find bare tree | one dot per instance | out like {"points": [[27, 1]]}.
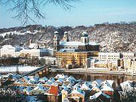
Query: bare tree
{"points": [[26, 10]]}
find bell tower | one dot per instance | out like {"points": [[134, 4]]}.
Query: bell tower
{"points": [[56, 40], [85, 38], [65, 37]]}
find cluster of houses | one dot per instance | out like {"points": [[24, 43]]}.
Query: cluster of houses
{"points": [[63, 88]]}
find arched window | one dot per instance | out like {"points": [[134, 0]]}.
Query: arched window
{"points": [[85, 40]]}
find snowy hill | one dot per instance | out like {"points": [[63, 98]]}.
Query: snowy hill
{"points": [[112, 37]]}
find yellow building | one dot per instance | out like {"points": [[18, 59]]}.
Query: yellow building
{"points": [[73, 59]]}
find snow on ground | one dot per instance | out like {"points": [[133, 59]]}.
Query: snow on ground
{"points": [[5, 69], [17, 33]]}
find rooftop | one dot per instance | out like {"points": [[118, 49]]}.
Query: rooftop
{"points": [[76, 43]]}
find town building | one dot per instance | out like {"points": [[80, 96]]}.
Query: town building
{"points": [[31, 51], [49, 60], [74, 53], [107, 60], [7, 51], [127, 55], [120, 60]]}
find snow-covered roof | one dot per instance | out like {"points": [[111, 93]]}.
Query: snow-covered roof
{"points": [[49, 82], [106, 88], [28, 89], [21, 88], [96, 88], [97, 82], [33, 45], [56, 32], [64, 86], [67, 50], [44, 79], [127, 86], [76, 43], [39, 87], [69, 86], [18, 48], [85, 86], [52, 79], [8, 47], [54, 84], [95, 96], [64, 89], [60, 80], [19, 82], [108, 82], [76, 86], [34, 50], [71, 79], [59, 76], [93, 43], [35, 79], [78, 91]]}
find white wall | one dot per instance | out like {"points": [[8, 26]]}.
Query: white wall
{"points": [[8, 50]]}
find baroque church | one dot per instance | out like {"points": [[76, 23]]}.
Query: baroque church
{"points": [[73, 53]]}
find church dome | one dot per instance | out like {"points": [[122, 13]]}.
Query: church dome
{"points": [[65, 32], [85, 34], [56, 32]]}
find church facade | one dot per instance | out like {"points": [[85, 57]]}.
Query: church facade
{"points": [[74, 53]]}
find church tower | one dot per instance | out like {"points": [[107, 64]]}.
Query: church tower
{"points": [[56, 40], [85, 38], [65, 37]]}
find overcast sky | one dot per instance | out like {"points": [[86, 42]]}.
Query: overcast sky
{"points": [[85, 12]]}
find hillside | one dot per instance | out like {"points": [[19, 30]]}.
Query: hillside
{"points": [[112, 37]]}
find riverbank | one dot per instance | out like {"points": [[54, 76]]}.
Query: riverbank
{"points": [[93, 71]]}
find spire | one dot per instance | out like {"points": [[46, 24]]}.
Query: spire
{"points": [[65, 37], [56, 40], [85, 38]]}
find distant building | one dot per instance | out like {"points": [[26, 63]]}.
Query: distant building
{"points": [[74, 53], [127, 55], [108, 56], [49, 60], [34, 52], [31, 51], [7, 51], [109, 60]]}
